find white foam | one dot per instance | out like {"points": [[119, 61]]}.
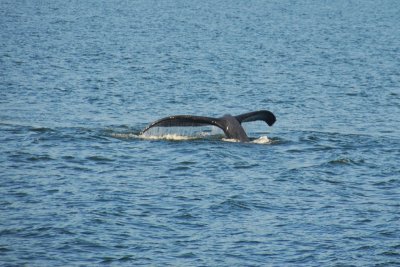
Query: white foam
{"points": [[230, 140], [173, 137], [177, 137], [124, 135], [262, 140]]}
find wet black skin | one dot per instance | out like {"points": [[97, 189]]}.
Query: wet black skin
{"points": [[233, 129], [231, 125]]}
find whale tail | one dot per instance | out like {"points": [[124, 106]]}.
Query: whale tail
{"points": [[193, 121], [184, 121], [261, 115]]}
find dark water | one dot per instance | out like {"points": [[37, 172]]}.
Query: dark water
{"points": [[80, 79]]}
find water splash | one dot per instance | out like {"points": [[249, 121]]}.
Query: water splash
{"points": [[124, 135], [170, 137], [262, 140], [230, 140], [181, 133]]}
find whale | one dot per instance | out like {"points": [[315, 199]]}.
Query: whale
{"points": [[230, 125]]}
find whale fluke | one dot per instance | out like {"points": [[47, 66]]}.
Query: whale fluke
{"points": [[231, 125], [261, 115], [182, 121]]}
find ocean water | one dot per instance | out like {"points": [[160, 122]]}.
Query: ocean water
{"points": [[79, 186]]}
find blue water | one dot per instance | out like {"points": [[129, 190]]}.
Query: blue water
{"points": [[79, 80]]}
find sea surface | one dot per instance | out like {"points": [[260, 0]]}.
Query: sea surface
{"points": [[80, 186]]}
